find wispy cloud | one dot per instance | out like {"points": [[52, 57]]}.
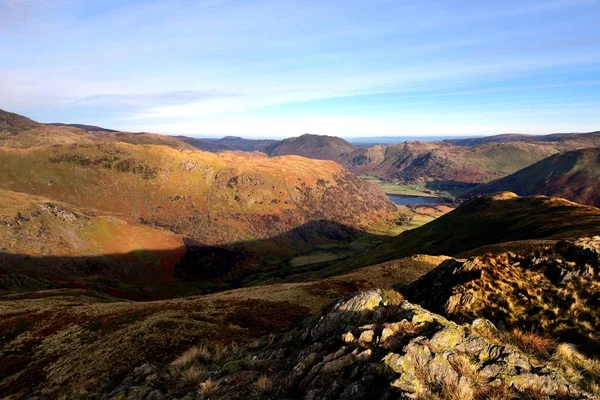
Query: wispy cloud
{"points": [[216, 65]]}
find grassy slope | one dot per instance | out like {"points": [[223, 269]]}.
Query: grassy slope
{"points": [[444, 162], [492, 220], [573, 175], [214, 198]]}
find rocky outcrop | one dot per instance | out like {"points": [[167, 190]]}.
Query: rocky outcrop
{"points": [[373, 345], [381, 350], [552, 291]]}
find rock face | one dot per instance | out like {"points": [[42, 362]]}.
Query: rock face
{"points": [[375, 345]]}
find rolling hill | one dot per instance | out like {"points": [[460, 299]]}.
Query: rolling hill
{"points": [[320, 147], [573, 175], [48, 244], [229, 143], [212, 198]]}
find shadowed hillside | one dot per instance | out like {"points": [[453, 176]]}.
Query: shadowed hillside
{"points": [[574, 175], [47, 244], [495, 223]]}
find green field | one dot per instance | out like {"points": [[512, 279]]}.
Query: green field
{"points": [[407, 190]]}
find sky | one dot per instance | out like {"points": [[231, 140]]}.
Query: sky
{"points": [[282, 68]]}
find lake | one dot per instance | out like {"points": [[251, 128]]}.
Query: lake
{"points": [[404, 200]]}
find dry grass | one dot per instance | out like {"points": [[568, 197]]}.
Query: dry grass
{"points": [[191, 355], [208, 388], [531, 344], [263, 385], [578, 368], [191, 376]]}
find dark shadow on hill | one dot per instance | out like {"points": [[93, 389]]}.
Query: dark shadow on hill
{"points": [[150, 275]]}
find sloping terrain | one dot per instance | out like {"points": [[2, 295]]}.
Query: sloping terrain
{"points": [[47, 244], [553, 291], [592, 138], [212, 198], [82, 344], [89, 128], [445, 163], [377, 344], [320, 147], [573, 175], [77, 343], [488, 224]]}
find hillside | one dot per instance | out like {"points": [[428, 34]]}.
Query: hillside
{"points": [[229, 143], [589, 139], [75, 343], [252, 343], [212, 198], [573, 175], [48, 244], [89, 128], [488, 224], [445, 163]]}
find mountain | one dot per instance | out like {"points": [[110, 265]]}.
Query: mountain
{"points": [[444, 162], [593, 137], [320, 147], [573, 175]]}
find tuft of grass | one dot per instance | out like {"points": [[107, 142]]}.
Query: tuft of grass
{"points": [[577, 368], [532, 344], [263, 385], [191, 376], [191, 355], [207, 389]]}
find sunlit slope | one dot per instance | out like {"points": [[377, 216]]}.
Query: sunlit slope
{"points": [[213, 198]]}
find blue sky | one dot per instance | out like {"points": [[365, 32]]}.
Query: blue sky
{"points": [[283, 68]]}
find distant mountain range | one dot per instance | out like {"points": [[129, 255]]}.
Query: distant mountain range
{"points": [[449, 162]]}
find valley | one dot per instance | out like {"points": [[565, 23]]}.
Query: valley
{"points": [[299, 200], [142, 266]]}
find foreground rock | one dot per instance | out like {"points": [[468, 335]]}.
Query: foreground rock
{"points": [[373, 345]]}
